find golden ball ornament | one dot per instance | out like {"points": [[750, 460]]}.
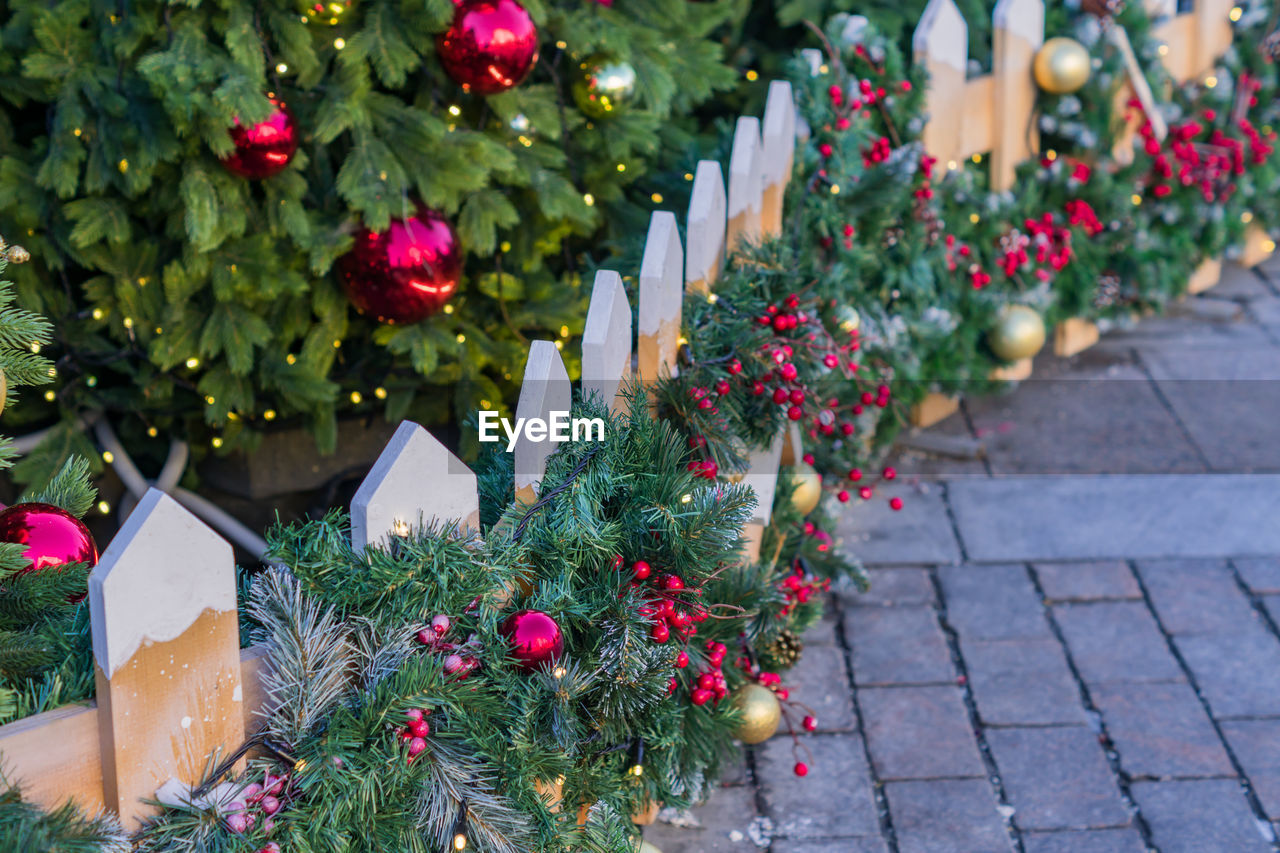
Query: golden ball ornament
{"points": [[760, 713], [1062, 66], [808, 489], [325, 13], [1018, 333], [604, 86]]}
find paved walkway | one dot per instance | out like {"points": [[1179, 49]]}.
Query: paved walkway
{"points": [[1071, 645]]}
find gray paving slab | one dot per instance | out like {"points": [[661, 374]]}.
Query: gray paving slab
{"points": [[946, 816], [892, 587], [820, 681], [1239, 282], [1260, 574], [915, 463], [992, 602], [823, 632], [1095, 414], [1088, 581], [1116, 641], [1256, 744], [1088, 841], [1266, 310], [919, 733], [1237, 672], [1228, 400], [1022, 682], [1056, 778], [1199, 816], [724, 820], [1195, 596], [897, 645], [834, 845], [1104, 517], [919, 533], [1185, 330], [813, 807], [1161, 730]]}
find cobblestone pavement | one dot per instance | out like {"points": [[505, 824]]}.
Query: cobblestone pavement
{"points": [[1071, 645]]}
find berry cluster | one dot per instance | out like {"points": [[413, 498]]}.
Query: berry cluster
{"points": [[958, 253], [799, 586], [1080, 212], [711, 685], [413, 734], [460, 659], [256, 800], [663, 608]]}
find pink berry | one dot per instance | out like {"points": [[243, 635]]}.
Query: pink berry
{"points": [[413, 715], [237, 823], [440, 624], [270, 805], [426, 637], [453, 663], [252, 792], [416, 746], [802, 769]]}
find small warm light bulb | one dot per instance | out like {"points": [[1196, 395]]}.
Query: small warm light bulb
{"points": [[835, 189], [753, 75], [209, 399], [1269, 245], [380, 393], [50, 396], [564, 331], [975, 218], [713, 298], [559, 672], [152, 432], [104, 507], [622, 167], [98, 313], [269, 414], [193, 363], [588, 199], [448, 309], [637, 770], [1246, 217], [291, 359], [108, 457], [688, 176], [356, 397], [1136, 199], [1163, 50], [337, 344], [656, 198], [282, 68], [400, 527], [686, 498], [1210, 82], [123, 166], [35, 346], [462, 339], [217, 442], [952, 165], [1051, 155], [560, 345], [459, 842], [128, 322], [455, 110], [339, 43], [1236, 13], [977, 158]]}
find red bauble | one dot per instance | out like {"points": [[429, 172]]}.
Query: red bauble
{"points": [[490, 46], [266, 148], [405, 273], [535, 638], [52, 535]]}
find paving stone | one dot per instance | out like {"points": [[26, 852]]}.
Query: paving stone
{"points": [[1238, 673], [1092, 581], [1186, 331], [1021, 682], [1256, 744], [815, 807], [1199, 816], [1260, 574], [1097, 413], [1228, 400], [1161, 730], [823, 632], [1195, 596], [1057, 778], [895, 587], [838, 845], [724, 822], [1237, 282], [992, 602], [1125, 517], [820, 681], [916, 463], [1116, 641], [946, 816], [919, 732], [1088, 841], [1267, 311], [1272, 605], [734, 769], [921, 533], [898, 645]]}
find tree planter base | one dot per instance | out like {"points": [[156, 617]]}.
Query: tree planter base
{"points": [[1205, 276], [933, 408], [1016, 372], [1073, 336], [1258, 246]]}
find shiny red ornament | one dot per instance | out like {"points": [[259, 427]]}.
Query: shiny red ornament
{"points": [[490, 46], [535, 638], [266, 148], [405, 273], [53, 536]]}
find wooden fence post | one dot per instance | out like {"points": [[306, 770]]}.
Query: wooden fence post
{"points": [[779, 141], [544, 390], [416, 480], [661, 300], [606, 340], [166, 644], [941, 45], [746, 184], [762, 477], [704, 242], [1019, 33]]}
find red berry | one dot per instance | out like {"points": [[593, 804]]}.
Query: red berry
{"points": [[440, 624], [420, 728], [673, 582], [895, 504], [617, 562], [842, 496], [802, 769], [780, 395], [700, 696], [413, 715], [810, 723], [660, 632], [757, 388], [855, 474], [640, 570], [865, 493], [890, 473], [682, 660], [416, 746], [797, 396], [795, 413]]}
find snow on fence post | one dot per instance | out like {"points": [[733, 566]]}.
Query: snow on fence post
{"points": [[416, 480], [1019, 33], [704, 240], [941, 45], [778, 154], [746, 184], [661, 301], [166, 644], [606, 340], [545, 389]]}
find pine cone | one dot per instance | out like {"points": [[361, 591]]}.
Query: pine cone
{"points": [[784, 651], [1108, 292]]}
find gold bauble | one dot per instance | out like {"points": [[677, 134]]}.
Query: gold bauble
{"points": [[848, 318], [1017, 334], [808, 489], [4, 389], [760, 713], [1062, 66], [604, 86], [326, 13]]}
